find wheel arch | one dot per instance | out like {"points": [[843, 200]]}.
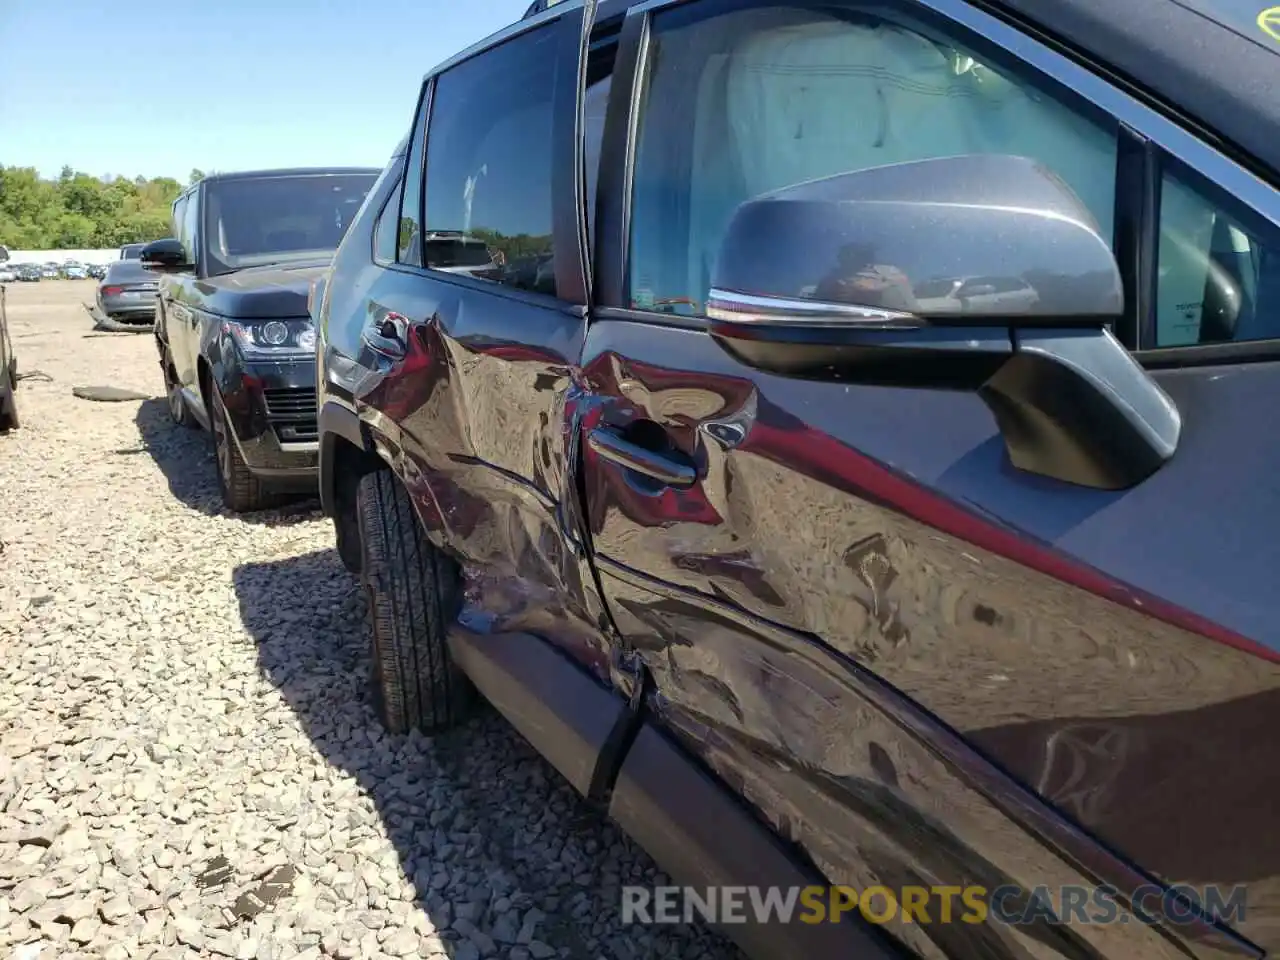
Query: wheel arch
{"points": [[347, 453]]}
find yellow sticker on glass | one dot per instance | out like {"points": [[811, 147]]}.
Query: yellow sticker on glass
{"points": [[1269, 23]]}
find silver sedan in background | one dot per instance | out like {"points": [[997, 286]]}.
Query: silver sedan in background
{"points": [[126, 296]]}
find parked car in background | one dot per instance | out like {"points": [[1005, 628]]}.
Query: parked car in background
{"points": [[8, 371], [74, 271], [50, 271], [800, 580], [126, 295], [97, 270], [235, 339], [8, 273], [29, 272], [131, 251]]}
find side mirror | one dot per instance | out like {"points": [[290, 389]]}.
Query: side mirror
{"points": [[165, 256], [982, 273]]}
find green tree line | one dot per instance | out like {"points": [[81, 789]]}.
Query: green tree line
{"points": [[80, 211]]}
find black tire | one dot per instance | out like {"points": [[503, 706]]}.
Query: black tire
{"points": [[178, 411], [242, 492], [346, 529], [414, 592], [8, 405]]}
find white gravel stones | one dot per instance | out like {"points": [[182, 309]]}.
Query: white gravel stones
{"points": [[177, 685]]}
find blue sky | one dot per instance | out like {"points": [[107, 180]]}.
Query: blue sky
{"points": [[128, 87]]}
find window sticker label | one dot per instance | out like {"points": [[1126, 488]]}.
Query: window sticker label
{"points": [[1269, 23]]}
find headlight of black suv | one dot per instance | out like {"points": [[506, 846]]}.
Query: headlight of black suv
{"points": [[273, 339]]}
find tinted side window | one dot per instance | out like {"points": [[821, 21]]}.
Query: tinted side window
{"points": [[386, 230], [488, 184], [595, 104], [1218, 268], [409, 230], [748, 101], [179, 220], [190, 228]]}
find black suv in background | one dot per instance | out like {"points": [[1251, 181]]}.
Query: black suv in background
{"points": [[235, 339], [834, 435]]}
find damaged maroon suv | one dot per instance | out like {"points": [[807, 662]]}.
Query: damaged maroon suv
{"points": [[831, 433]]}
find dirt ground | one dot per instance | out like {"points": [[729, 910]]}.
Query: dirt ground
{"points": [[178, 684]]}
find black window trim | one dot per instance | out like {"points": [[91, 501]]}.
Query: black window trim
{"points": [[567, 252], [1147, 137]]}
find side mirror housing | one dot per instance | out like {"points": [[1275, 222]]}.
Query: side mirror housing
{"points": [[980, 272], [165, 256]]}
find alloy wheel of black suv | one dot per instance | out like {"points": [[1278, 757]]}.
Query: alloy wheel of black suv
{"points": [[414, 592], [9, 403], [178, 411], [241, 490]]}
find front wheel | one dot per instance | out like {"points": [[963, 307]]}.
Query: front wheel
{"points": [[242, 492], [178, 411], [9, 404], [414, 592]]}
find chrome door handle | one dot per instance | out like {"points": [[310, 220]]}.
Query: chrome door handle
{"points": [[388, 336], [670, 468]]}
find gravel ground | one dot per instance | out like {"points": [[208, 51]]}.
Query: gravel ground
{"points": [[179, 685]]}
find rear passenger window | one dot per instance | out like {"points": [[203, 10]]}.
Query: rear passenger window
{"points": [[595, 106], [191, 228], [179, 220], [488, 206], [1218, 267], [386, 232], [746, 101], [408, 231]]}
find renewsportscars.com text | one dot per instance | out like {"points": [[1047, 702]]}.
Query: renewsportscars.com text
{"points": [[936, 904]]}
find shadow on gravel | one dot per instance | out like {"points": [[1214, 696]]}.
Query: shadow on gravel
{"points": [[185, 457], [500, 853]]}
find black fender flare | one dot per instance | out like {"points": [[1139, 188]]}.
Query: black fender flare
{"points": [[335, 420]]}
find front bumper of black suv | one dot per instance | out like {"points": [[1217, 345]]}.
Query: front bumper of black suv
{"points": [[271, 409]]}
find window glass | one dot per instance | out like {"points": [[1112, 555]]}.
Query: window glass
{"points": [[595, 103], [180, 220], [409, 233], [489, 160], [753, 100], [386, 232], [190, 229], [1218, 276], [252, 221]]}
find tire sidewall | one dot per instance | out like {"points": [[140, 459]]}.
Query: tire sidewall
{"points": [[405, 696], [182, 417], [218, 414]]}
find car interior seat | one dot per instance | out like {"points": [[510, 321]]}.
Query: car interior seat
{"points": [[797, 98]]}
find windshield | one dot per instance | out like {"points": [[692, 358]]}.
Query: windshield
{"points": [[260, 220]]}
